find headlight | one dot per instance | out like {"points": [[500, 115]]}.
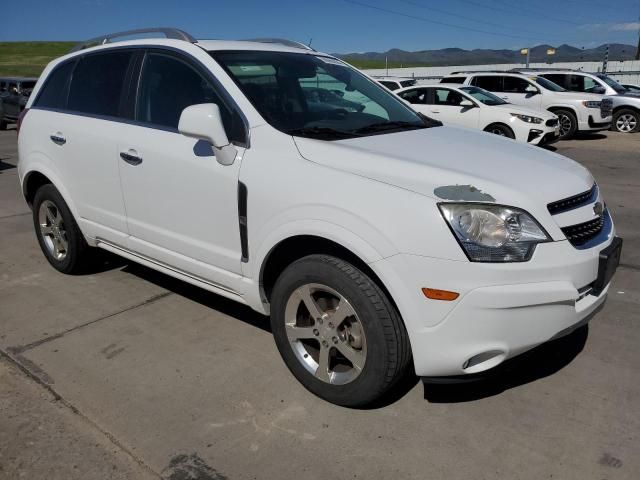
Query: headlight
{"points": [[493, 233], [591, 103], [527, 118]]}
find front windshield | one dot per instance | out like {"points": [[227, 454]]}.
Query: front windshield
{"points": [[316, 96], [548, 84], [612, 83], [483, 96]]}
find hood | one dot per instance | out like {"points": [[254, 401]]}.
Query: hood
{"points": [[445, 162], [545, 115]]}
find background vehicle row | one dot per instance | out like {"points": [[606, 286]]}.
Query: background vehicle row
{"points": [[577, 112]]}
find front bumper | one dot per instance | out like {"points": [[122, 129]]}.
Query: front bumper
{"points": [[593, 125], [503, 309]]}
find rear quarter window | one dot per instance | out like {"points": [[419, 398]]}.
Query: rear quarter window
{"points": [[452, 80], [53, 93], [98, 83]]}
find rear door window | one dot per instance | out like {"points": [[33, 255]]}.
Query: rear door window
{"points": [[493, 83], [98, 83], [56, 88], [417, 96]]}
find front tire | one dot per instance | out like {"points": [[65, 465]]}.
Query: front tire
{"points": [[58, 233], [626, 121], [337, 331], [500, 130], [568, 123]]}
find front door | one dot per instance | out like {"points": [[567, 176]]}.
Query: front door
{"points": [[446, 106], [182, 205], [519, 91]]}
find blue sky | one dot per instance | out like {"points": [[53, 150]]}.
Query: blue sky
{"points": [[340, 26]]}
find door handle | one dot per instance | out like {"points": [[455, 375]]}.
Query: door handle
{"points": [[131, 157], [435, 111], [58, 138]]}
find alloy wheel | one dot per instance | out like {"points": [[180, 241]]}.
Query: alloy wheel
{"points": [[626, 123], [565, 124], [325, 334], [52, 230]]}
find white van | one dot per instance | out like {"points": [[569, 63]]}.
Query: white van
{"points": [[375, 238]]}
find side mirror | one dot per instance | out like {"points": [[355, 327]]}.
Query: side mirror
{"points": [[467, 104], [531, 90], [204, 122], [599, 89]]}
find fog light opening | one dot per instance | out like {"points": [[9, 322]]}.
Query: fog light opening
{"points": [[484, 361]]}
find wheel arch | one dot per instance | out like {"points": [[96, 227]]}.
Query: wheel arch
{"points": [[292, 248], [37, 175], [555, 108], [625, 107], [501, 124]]}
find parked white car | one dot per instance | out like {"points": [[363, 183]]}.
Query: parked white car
{"points": [[577, 112], [374, 240], [626, 103], [473, 107]]}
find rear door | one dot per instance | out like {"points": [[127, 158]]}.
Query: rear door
{"points": [[81, 117], [182, 205]]}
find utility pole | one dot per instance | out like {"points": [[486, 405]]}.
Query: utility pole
{"points": [[638, 49], [606, 59]]}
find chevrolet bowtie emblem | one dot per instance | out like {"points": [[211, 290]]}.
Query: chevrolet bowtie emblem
{"points": [[598, 209]]}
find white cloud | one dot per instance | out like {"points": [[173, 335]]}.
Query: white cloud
{"points": [[611, 27]]}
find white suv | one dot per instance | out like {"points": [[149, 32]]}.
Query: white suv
{"points": [[374, 237], [626, 103], [577, 112]]}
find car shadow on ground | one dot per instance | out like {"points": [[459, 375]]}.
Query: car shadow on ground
{"points": [[199, 295], [589, 136], [540, 362], [4, 165]]}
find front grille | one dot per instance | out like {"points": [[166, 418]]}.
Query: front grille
{"points": [[577, 201], [606, 107], [551, 122], [583, 232]]}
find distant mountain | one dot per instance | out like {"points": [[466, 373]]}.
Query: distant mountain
{"points": [[458, 56]]}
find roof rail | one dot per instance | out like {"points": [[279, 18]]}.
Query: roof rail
{"points": [[168, 32], [282, 41], [477, 71], [539, 69]]}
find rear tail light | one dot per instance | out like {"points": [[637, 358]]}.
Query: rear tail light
{"points": [[20, 118]]}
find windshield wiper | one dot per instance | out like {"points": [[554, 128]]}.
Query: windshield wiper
{"points": [[382, 126], [324, 132]]}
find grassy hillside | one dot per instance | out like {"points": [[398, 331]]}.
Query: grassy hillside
{"points": [[29, 58]]}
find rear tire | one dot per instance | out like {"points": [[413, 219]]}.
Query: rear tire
{"points": [[568, 123], [350, 323], [626, 121], [58, 233], [500, 130]]}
